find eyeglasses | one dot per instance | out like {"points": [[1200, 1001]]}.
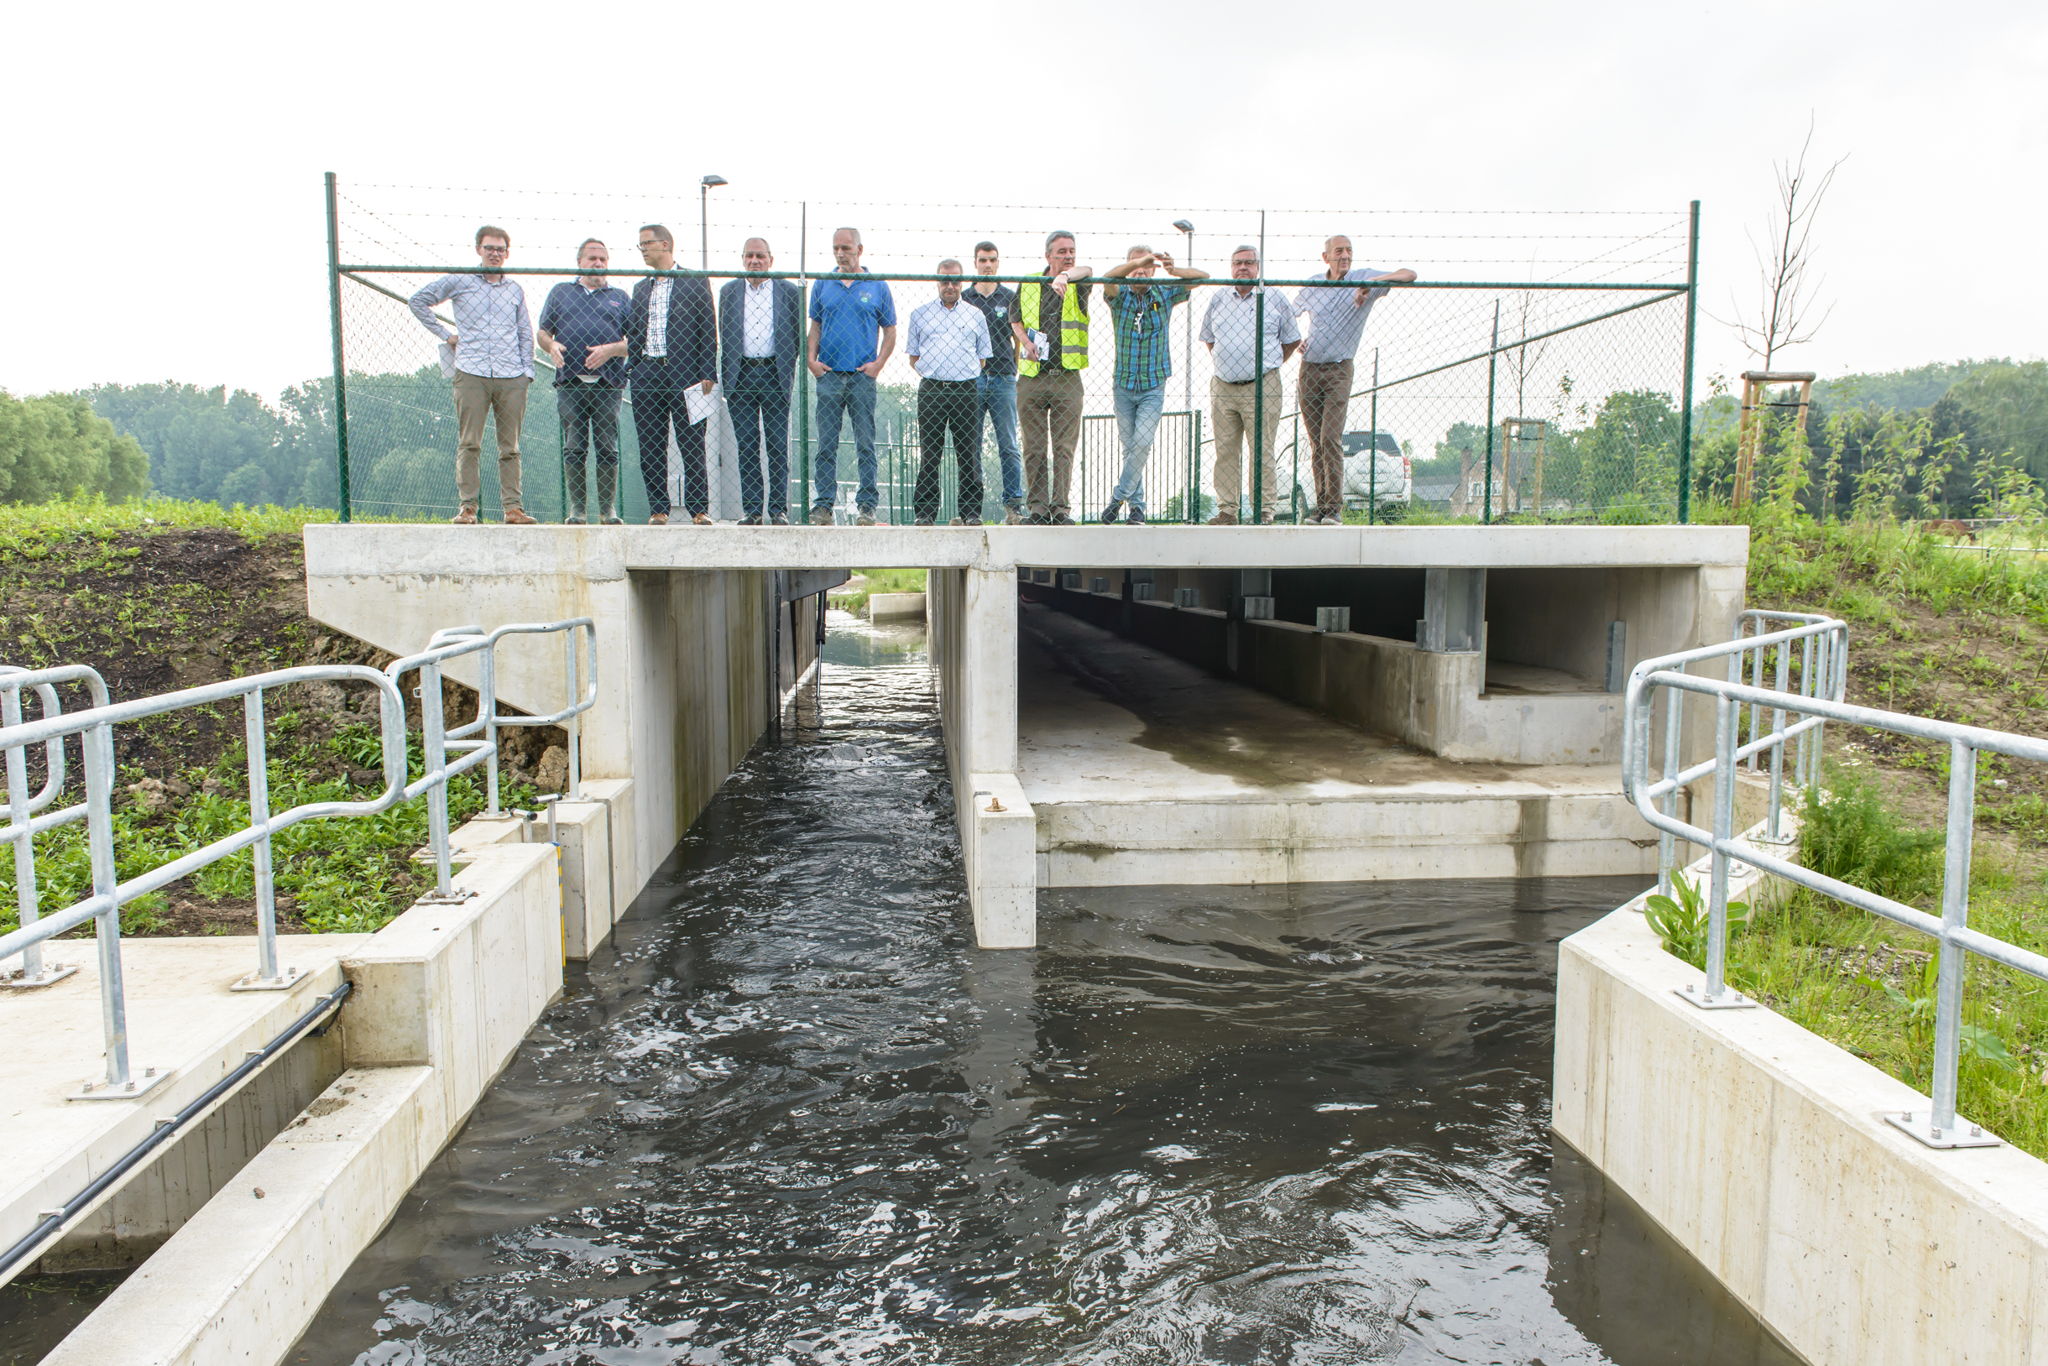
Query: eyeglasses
{"points": [[496, 250]]}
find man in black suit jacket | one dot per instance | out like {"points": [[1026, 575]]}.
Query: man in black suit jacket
{"points": [[672, 344], [760, 331]]}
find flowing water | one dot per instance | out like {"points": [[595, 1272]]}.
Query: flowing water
{"points": [[792, 1117]]}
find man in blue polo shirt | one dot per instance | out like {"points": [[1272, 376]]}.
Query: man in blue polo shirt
{"points": [[583, 326], [847, 314]]}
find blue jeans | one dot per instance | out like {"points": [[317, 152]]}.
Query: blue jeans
{"points": [[998, 395], [1137, 420], [851, 393]]}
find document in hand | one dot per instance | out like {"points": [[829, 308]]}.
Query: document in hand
{"points": [[699, 404], [447, 355]]}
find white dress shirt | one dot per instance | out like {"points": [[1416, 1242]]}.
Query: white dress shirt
{"points": [[948, 343], [657, 317], [758, 320]]}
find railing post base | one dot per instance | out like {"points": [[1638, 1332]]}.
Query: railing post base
{"points": [[50, 975], [1962, 1134], [287, 978], [151, 1078], [1729, 999], [454, 897]]}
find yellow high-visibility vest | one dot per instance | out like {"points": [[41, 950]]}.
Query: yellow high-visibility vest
{"points": [[1073, 325]]}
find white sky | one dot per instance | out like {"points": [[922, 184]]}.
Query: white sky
{"points": [[166, 213]]}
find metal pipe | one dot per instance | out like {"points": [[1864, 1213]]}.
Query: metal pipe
{"points": [[340, 368], [163, 1130], [255, 735], [1724, 830], [1692, 304], [98, 746], [1951, 958]]}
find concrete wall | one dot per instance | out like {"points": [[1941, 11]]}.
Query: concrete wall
{"points": [[692, 664], [1759, 1147]]}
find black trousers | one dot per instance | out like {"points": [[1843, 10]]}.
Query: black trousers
{"points": [[658, 408], [590, 418], [759, 404], [948, 408]]}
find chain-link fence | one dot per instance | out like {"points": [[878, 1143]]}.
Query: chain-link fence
{"points": [[938, 363]]}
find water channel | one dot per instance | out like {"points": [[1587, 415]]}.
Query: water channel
{"points": [[791, 1117]]}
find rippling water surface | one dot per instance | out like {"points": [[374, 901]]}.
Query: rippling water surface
{"points": [[792, 1117]]}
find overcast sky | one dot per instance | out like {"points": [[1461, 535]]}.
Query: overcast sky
{"points": [[166, 160]]}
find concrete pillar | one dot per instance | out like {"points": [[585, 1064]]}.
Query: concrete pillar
{"points": [[988, 667], [1453, 611]]}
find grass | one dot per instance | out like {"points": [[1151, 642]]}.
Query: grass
{"points": [[1866, 985], [865, 583], [27, 531]]}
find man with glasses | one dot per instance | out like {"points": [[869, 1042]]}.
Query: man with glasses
{"points": [[493, 348], [1246, 381], [583, 327], [1336, 324], [761, 329], [995, 390], [672, 340]]}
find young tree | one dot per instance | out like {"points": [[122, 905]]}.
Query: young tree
{"points": [[1788, 292]]}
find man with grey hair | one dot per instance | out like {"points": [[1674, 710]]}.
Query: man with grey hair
{"points": [[1142, 312], [761, 332], [948, 344], [853, 332], [1246, 358], [1054, 311], [1336, 323]]}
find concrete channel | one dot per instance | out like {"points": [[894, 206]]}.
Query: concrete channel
{"points": [[1261, 708]]}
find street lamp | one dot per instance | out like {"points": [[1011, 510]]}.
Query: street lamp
{"points": [[703, 206]]}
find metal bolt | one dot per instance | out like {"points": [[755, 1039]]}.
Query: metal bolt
{"points": [[1936, 1131], [149, 1071], [130, 1086], [1976, 1131]]}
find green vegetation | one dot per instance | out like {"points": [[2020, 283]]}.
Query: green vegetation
{"points": [[332, 876], [31, 532], [55, 447], [1868, 985], [854, 594]]}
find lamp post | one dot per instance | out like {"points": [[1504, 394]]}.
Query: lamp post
{"points": [[703, 208]]}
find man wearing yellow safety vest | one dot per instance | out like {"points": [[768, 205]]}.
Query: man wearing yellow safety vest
{"points": [[1049, 401]]}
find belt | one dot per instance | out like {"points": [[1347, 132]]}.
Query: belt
{"points": [[951, 383], [757, 360]]}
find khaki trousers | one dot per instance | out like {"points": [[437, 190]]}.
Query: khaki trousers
{"points": [[1049, 407], [1232, 409], [1325, 401], [505, 400]]}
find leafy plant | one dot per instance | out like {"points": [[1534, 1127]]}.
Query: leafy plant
{"points": [[1682, 923], [1974, 1041]]}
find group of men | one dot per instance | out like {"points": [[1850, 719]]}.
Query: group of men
{"points": [[984, 353]]}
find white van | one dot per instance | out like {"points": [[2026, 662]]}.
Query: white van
{"points": [[1391, 482]]}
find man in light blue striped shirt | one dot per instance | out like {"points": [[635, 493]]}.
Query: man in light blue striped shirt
{"points": [[493, 347]]}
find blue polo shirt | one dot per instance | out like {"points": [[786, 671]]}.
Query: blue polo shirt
{"points": [[850, 313], [582, 318]]}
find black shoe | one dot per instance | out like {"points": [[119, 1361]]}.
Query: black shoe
{"points": [[927, 521], [779, 517], [572, 521], [1109, 513], [821, 515], [751, 519], [1137, 517], [1061, 519], [1038, 519]]}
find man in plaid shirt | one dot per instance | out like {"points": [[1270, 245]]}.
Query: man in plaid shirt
{"points": [[1144, 360]]}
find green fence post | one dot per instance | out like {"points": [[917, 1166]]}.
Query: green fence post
{"points": [[1692, 302], [1492, 361], [340, 371], [1372, 475], [803, 368], [1259, 400]]}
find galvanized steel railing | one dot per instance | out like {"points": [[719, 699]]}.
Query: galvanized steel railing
{"points": [[31, 814], [1794, 710]]}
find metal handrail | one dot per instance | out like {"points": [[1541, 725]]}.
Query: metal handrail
{"points": [[580, 689], [28, 816], [1823, 643]]}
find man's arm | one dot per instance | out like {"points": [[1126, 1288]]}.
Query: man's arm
{"points": [[522, 323], [423, 301], [1021, 342], [1289, 333], [702, 330], [874, 367], [550, 319], [1402, 276], [1118, 272]]}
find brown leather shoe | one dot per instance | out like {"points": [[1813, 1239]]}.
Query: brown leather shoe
{"points": [[466, 517], [703, 519], [1224, 519], [658, 519], [518, 517]]}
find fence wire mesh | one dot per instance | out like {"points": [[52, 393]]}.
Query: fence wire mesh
{"points": [[1001, 362]]}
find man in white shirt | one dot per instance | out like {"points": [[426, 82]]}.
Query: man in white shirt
{"points": [[493, 345], [1336, 323], [1245, 359], [947, 346]]}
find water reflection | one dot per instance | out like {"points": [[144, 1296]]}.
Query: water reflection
{"points": [[793, 1118]]}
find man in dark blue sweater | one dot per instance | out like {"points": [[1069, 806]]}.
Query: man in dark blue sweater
{"points": [[583, 326]]}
